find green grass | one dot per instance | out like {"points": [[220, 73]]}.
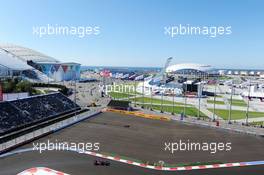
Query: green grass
{"points": [[234, 102], [216, 102], [257, 123], [238, 102], [191, 111], [225, 78], [39, 92], [118, 95], [236, 114], [154, 101]]}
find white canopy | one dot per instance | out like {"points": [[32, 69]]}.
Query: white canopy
{"points": [[10, 61]]}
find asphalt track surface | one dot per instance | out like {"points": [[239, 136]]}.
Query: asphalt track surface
{"points": [[143, 140]]}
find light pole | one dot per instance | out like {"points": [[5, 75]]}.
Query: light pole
{"points": [[161, 107], [185, 100], [128, 91], [199, 108], [75, 97], [214, 100], [173, 96], [143, 93], [247, 114], [151, 98], [75, 88], [230, 107], [135, 92]]}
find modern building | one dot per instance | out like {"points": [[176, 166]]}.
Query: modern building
{"points": [[168, 85], [35, 65], [192, 69]]}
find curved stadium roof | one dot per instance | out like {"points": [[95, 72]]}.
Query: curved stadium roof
{"points": [[10, 61], [189, 66], [26, 54]]}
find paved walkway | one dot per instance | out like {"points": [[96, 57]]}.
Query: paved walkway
{"points": [[257, 119], [208, 113]]}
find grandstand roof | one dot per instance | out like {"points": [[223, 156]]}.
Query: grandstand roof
{"points": [[189, 66], [26, 54], [10, 61]]}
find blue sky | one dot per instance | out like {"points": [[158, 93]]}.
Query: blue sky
{"points": [[132, 31]]}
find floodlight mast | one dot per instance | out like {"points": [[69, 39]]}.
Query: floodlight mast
{"points": [[161, 76], [163, 71], [164, 79], [247, 113]]}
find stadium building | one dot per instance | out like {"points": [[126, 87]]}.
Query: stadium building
{"points": [[30, 64], [191, 69], [189, 81]]}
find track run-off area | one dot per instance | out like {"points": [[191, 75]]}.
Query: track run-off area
{"points": [[162, 168]]}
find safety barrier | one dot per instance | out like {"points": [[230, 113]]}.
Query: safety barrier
{"points": [[138, 114]]}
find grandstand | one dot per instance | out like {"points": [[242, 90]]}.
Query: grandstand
{"points": [[26, 112]]}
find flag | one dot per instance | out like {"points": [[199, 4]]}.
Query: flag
{"points": [[105, 73]]}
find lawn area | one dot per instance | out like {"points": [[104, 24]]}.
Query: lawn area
{"points": [[191, 111], [154, 101], [216, 102], [238, 102], [118, 95], [235, 114], [261, 123], [225, 78]]}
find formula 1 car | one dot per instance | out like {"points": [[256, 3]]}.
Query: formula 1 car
{"points": [[101, 163]]}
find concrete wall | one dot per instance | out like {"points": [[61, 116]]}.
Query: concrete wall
{"points": [[14, 96]]}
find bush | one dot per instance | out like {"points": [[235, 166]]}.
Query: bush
{"points": [[63, 89], [17, 85]]}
